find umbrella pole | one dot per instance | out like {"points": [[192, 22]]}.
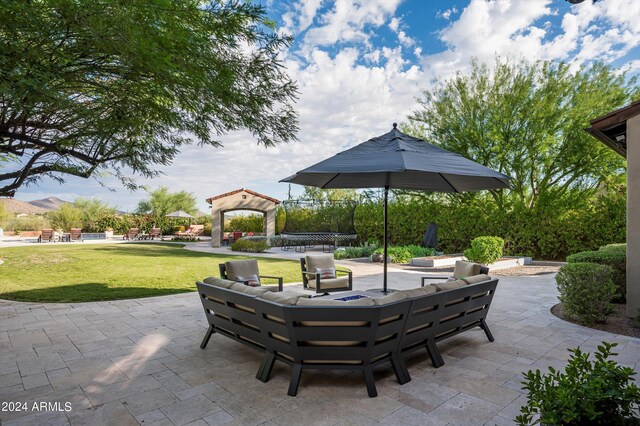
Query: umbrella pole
{"points": [[386, 237]]}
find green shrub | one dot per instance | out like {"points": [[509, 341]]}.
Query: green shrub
{"points": [[66, 217], [586, 393], [397, 254], [586, 291], [27, 223], [249, 246], [485, 250], [613, 257], [354, 252], [250, 223]]}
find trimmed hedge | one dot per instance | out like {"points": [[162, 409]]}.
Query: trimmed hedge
{"points": [[249, 246], [586, 291], [551, 230], [611, 256]]}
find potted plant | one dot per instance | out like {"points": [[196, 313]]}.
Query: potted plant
{"points": [[378, 255], [594, 393]]}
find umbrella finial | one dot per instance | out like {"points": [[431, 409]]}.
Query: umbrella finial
{"points": [[395, 125]]}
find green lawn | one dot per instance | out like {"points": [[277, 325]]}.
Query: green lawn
{"points": [[90, 272]]}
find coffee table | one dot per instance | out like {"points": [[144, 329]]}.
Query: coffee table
{"points": [[350, 295]]}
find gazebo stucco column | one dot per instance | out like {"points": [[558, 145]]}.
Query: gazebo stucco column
{"points": [[633, 216], [217, 219], [270, 227]]}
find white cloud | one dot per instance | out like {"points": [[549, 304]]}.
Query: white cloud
{"points": [[447, 13], [346, 21]]}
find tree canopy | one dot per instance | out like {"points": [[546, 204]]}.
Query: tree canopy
{"points": [[119, 87], [527, 121], [161, 202]]}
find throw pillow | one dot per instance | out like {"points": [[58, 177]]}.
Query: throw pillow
{"points": [[251, 280], [326, 272]]}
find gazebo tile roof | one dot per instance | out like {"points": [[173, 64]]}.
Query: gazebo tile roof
{"points": [[257, 194]]}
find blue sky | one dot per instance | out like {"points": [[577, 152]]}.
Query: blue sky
{"points": [[360, 66]]}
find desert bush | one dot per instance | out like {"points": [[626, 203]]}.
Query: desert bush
{"points": [[27, 223], [599, 392], [612, 256], [66, 217], [485, 250], [249, 246], [586, 290]]}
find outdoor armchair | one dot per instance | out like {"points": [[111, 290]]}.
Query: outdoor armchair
{"points": [[319, 272], [461, 270], [75, 234], [131, 234], [245, 271], [155, 233], [46, 235]]}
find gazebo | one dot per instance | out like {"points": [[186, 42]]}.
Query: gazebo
{"points": [[620, 130], [241, 199]]}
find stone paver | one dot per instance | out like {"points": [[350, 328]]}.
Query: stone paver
{"points": [[139, 362]]}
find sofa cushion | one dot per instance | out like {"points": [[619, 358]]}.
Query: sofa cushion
{"points": [[449, 285], [286, 297], [476, 279], [254, 291], [219, 282], [252, 280], [241, 268], [396, 296], [364, 301], [420, 291], [465, 269], [330, 283]]}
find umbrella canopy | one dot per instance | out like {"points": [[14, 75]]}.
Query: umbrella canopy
{"points": [[397, 160], [179, 213]]}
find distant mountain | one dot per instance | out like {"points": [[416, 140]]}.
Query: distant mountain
{"points": [[19, 207], [50, 203]]}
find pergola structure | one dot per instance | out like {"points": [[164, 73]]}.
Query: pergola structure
{"points": [[241, 199], [620, 130]]}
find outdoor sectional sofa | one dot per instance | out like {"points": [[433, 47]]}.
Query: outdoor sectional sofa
{"points": [[357, 335]]}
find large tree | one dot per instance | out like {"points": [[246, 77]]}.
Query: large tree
{"points": [[109, 86], [162, 201], [527, 121]]}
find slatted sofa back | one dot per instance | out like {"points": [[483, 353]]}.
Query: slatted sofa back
{"points": [[234, 314], [335, 335], [464, 308], [438, 316]]}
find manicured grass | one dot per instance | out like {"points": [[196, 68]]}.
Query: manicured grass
{"points": [[91, 272]]}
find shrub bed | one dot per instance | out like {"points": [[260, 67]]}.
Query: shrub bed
{"points": [[586, 291]]}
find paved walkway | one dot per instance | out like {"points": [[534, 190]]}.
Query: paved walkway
{"points": [[139, 362]]}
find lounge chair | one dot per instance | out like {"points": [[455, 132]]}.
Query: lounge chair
{"points": [[75, 234], [155, 233], [319, 272], [245, 271], [131, 234], [461, 270], [46, 235], [193, 231]]}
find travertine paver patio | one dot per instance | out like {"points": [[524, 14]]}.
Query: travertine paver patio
{"points": [[139, 361]]}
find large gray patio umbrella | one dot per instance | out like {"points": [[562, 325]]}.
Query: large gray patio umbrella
{"points": [[397, 160], [179, 213]]}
